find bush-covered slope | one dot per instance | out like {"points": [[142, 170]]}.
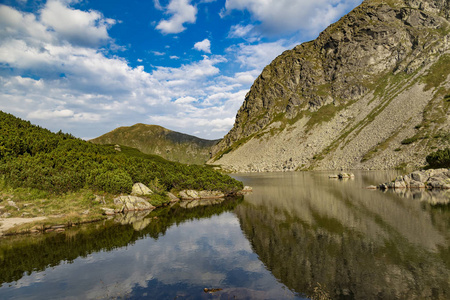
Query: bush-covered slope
{"points": [[153, 139], [34, 157]]}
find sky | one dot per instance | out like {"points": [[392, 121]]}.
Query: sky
{"points": [[87, 67]]}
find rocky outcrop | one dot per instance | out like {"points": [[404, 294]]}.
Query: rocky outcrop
{"points": [[430, 179], [132, 203], [371, 92]]}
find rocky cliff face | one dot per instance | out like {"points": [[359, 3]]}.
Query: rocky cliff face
{"points": [[372, 91], [152, 139]]}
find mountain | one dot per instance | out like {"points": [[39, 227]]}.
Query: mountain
{"points": [[153, 139], [371, 92]]}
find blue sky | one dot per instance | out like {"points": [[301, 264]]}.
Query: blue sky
{"points": [[89, 66]]}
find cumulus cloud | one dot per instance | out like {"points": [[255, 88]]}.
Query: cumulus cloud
{"points": [[289, 16], [181, 12], [76, 26], [257, 56], [204, 46], [75, 87]]}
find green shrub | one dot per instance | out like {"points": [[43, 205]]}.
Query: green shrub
{"points": [[409, 140], [114, 182], [439, 159], [33, 157]]}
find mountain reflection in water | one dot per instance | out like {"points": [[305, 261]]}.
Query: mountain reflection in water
{"points": [[297, 235], [352, 243]]}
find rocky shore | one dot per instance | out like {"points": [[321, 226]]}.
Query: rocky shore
{"points": [[127, 209], [424, 179]]}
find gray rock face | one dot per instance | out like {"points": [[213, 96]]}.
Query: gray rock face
{"points": [[132, 203], [340, 100], [140, 189]]}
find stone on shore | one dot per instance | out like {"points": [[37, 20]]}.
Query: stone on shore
{"points": [[140, 189], [132, 203], [191, 194]]}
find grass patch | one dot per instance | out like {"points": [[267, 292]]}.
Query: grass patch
{"points": [[409, 140], [438, 73]]}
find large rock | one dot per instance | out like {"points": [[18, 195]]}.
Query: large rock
{"points": [[140, 189], [132, 203], [419, 176], [192, 194], [172, 197]]}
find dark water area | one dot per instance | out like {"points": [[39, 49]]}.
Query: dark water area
{"points": [[298, 235]]}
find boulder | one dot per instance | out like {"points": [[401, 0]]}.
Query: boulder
{"points": [[132, 203], [172, 197], [419, 176], [416, 184], [210, 194], [346, 175], [399, 184], [191, 194], [108, 211], [140, 189], [383, 186]]}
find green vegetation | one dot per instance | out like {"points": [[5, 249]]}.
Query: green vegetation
{"points": [[439, 159], [438, 73], [33, 157], [153, 139], [409, 140]]}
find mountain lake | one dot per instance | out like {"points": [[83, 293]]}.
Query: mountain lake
{"points": [[299, 235]]}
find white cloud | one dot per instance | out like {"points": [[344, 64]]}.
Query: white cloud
{"points": [[240, 31], [181, 12], [289, 16], [257, 56], [204, 46], [76, 26], [81, 90], [174, 57]]}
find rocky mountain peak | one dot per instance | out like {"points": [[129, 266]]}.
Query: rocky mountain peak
{"points": [[350, 60]]}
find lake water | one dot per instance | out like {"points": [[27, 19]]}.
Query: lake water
{"points": [[298, 235]]}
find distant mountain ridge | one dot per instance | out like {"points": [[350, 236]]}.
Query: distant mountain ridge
{"points": [[371, 92], [154, 139]]}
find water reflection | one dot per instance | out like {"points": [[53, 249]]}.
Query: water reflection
{"points": [[189, 250], [354, 243]]}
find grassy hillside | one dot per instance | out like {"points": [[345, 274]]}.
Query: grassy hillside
{"points": [[153, 139], [34, 157]]}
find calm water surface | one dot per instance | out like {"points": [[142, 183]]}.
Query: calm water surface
{"points": [[298, 235]]}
